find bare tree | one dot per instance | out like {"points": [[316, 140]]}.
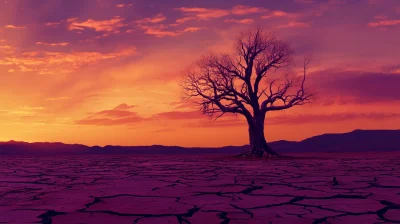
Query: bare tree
{"points": [[241, 84]]}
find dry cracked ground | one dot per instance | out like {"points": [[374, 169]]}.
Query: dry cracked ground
{"points": [[331, 188]]}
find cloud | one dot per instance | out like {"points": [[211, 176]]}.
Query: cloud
{"points": [[2, 40], [191, 29], [120, 115], [14, 27], [161, 30], [240, 21], [11, 70], [57, 98], [52, 44], [123, 5], [46, 62], [278, 13], [153, 27], [295, 119], [23, 111], [7, 49], [54, 24], [327, 117], [109, 121], [124, 106], [295, 25], [203, 13], [182, 104], [357, 87], [156, 19], [384, 23], [111, 25], [123, 115], [196, 13], [178, 115], [245, 10]]}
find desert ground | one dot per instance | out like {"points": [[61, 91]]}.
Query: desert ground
{"points": [[200, 189]]}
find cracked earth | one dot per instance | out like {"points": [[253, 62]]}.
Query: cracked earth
{"points": [[332, 188]]}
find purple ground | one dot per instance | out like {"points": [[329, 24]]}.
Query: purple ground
{"points": [[200, 189]]}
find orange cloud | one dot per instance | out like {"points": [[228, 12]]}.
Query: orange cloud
{"points": [[244, 10], [156, 19], [196, 13], [52, 44], [123, 5], [57, 98], [120, 115], [111, 25], [295, 25], [2, 40], [45, 62], [295, 119], [7, 49], [202, 13], [240, 21], [178, 115], [279, 14], [384, 23], [160, 30], [124, 106], [191, 29], [23, 111], [54, 24], [14, 27]]}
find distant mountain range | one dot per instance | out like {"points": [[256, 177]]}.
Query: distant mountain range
{"points": [[355, 141]]}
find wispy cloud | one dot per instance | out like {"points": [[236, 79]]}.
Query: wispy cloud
{"points": [[54, 24], [45, 62], [327, 117], [203, 13], [120, 115], [356, 87], [245, 10], [240, 21], [278, 13], [52, 44], [160, 30], [384, 23], [14, 27], [57, 98], [123, 5], [196, 13], [156, 19], [23, 111], [7, 49], [111, 25], [295, 25]]}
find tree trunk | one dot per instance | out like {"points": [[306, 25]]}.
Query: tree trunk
{"points": [[258, 145]]}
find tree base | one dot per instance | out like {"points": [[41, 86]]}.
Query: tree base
{"points": [[250, 155]]}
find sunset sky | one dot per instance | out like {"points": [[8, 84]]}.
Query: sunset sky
{"points": [[101, 72]]}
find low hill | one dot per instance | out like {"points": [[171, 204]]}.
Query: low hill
{"points": [[355, 141]]}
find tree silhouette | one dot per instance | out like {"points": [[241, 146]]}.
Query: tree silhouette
{"points": [[240, 83]]}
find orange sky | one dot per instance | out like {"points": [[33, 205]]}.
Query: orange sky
{"points": [[105, 72]]}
